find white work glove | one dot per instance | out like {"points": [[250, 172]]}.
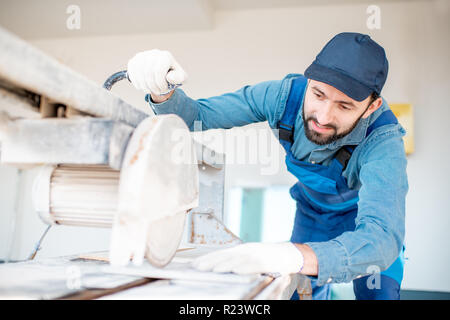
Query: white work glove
{"points": [[253, 257], [151, 71]]}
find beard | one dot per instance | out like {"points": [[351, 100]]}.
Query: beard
{"points": [[321, 139]]}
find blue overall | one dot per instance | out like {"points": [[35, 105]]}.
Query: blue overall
{"points": [[326, 206]]}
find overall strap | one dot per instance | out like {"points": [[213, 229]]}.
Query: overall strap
{"points": [[294, 101], [387, 117], [344, 154]]}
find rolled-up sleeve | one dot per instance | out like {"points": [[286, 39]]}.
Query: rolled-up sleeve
{"points": [[380, 223]]}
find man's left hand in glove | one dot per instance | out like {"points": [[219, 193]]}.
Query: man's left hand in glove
{"points": [[253, 257]]}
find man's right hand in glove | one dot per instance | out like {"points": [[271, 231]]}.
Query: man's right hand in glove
{"points": [[152, 71]]}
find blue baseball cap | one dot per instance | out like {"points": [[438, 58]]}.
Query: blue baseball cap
{"points": [[352, 63]]}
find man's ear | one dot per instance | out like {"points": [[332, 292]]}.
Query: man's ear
{"points": [[373, 107]]}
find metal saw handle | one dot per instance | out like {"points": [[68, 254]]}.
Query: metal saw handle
{"points": [[124, 75], [114, 78]]}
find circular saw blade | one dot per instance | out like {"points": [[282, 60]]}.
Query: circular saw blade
{"points": [[164, 237], [158, 186]]}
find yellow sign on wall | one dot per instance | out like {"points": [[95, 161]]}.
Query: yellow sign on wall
{"points": [[404, 114]]}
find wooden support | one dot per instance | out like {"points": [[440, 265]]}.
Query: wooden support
{"points": [[47, 108], [90, 294], [26, 67], [71, 112], [75, 141], [17, 106]]}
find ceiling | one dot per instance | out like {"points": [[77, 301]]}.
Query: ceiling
{"points": [[47, 18], [251, 4]]}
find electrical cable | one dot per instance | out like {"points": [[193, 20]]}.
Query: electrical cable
{"points": [[37, 246]]}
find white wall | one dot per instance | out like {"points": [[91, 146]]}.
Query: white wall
{"points": [[250, 46]]}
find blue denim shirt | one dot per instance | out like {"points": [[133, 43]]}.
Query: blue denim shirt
{"points": [[377, 167]]}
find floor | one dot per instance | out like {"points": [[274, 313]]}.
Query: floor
{"points": [[344, 291]]}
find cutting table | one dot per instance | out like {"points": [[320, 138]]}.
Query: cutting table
{"points": [[87, 276], [53, 117]]}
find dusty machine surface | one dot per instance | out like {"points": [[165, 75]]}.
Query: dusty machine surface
{"points": [[98, 156]]}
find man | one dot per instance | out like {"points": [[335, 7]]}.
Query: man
{"points": [[343, 144]]}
